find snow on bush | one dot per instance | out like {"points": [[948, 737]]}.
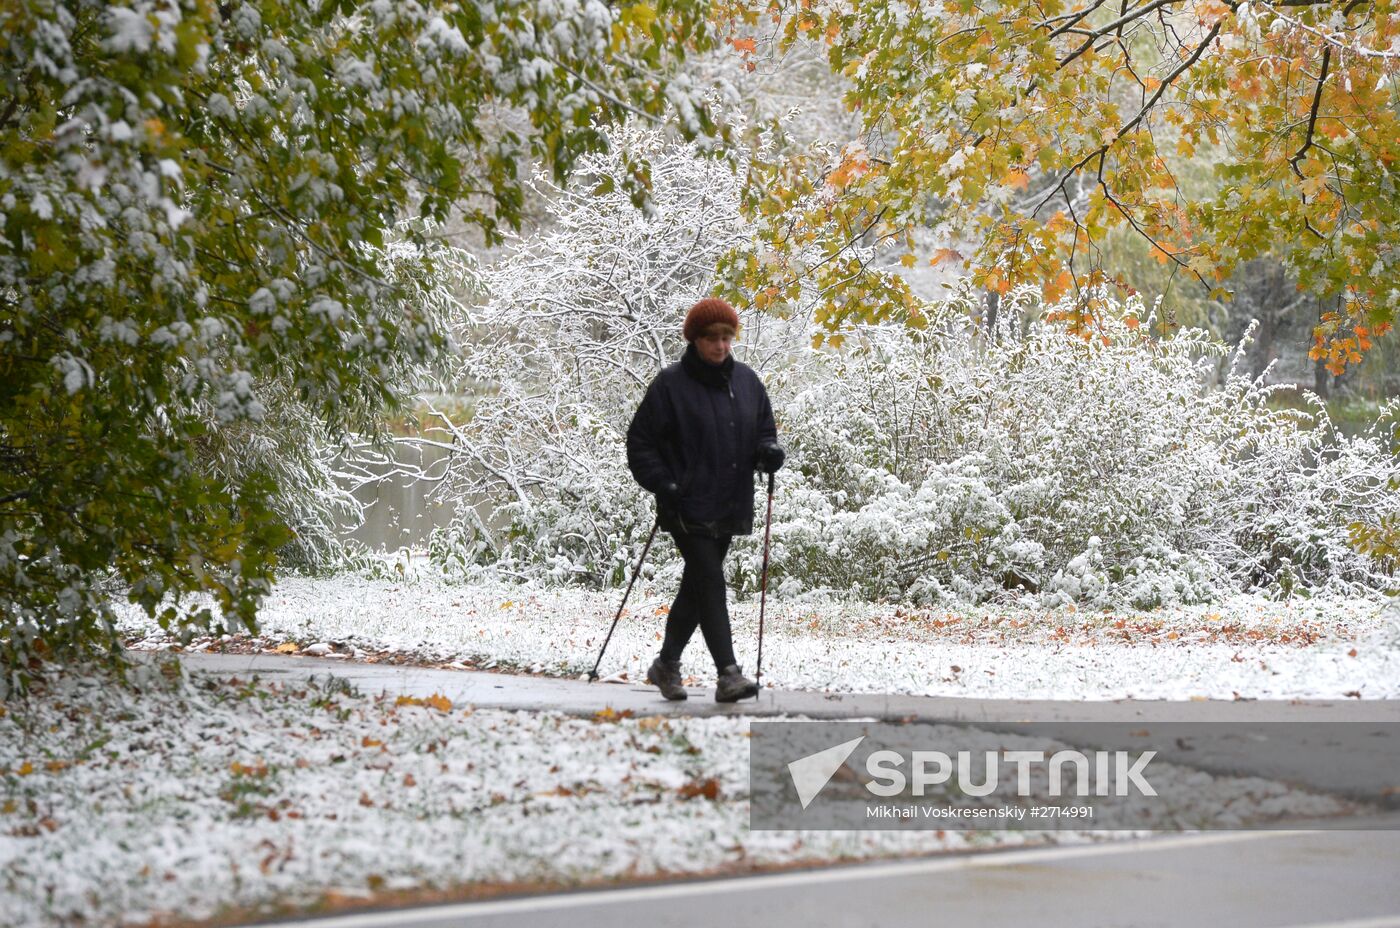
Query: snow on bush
{"points": [[936, 464], [941, 463]]}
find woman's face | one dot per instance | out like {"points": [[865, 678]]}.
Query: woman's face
{"points": [[713, 344]]}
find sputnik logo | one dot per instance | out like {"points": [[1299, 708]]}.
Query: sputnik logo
{"points": [[811, 773]]}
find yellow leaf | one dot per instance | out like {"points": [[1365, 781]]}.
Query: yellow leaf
{"points": [[25, 769], [439, 702], [287, 647], [908, 260], [368, 742]]}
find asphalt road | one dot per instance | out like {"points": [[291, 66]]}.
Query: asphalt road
{"points": [[1274, 879]]}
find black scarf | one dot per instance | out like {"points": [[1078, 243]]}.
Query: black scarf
{"points": [[711, 375]]}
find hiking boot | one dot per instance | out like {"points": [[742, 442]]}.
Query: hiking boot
{"points": [[734, 686], [667, 677]]}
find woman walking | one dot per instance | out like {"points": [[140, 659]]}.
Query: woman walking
{"points": [[702, 429]]}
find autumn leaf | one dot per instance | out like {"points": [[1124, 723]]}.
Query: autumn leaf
{"points": [[435, 701], [1019, 180], [287, 647], [707, 788], [609, 714]]}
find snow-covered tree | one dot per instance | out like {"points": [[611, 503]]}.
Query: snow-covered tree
{"points": [[194, 199], [576, 322]]}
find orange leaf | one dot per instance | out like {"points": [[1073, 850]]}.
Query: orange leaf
{"points": [[609, 714], [708, 788], [1019, 179]]}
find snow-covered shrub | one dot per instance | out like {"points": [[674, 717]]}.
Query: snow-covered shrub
{"points": [[933, 463], [939, 462]]}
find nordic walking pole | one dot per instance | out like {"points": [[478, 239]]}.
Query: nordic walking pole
{"points": [[763, 595], [593, 674]]}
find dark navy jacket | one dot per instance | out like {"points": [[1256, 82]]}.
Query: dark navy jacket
{"points": [[700, 426]]}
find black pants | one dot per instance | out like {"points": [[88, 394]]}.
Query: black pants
{"points": [[701, 600]]}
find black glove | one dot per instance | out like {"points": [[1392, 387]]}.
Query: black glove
{"points": [[770, 458], [669, 495]]}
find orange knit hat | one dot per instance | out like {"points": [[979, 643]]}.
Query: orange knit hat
{"points": [[706, 313]]}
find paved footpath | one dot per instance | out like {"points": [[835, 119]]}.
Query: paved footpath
{"points": [[1360, 760]]}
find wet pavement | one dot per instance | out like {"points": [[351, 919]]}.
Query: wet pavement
{"points": [[1244, 880]]}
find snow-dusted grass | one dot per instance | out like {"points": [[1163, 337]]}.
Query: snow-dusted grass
{"points": [[189, 797], [1247, 647]]}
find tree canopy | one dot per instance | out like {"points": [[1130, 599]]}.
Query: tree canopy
{"points": [[1025, 130], [194, 199]]}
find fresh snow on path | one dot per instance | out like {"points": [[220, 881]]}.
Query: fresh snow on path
{"points": [[1246, 648]]}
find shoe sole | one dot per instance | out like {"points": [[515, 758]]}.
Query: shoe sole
{"points": [[679, 698], [749, 692]]}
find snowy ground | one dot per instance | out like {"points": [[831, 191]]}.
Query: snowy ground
{"points": [[193, 797], [1248, 648]]}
